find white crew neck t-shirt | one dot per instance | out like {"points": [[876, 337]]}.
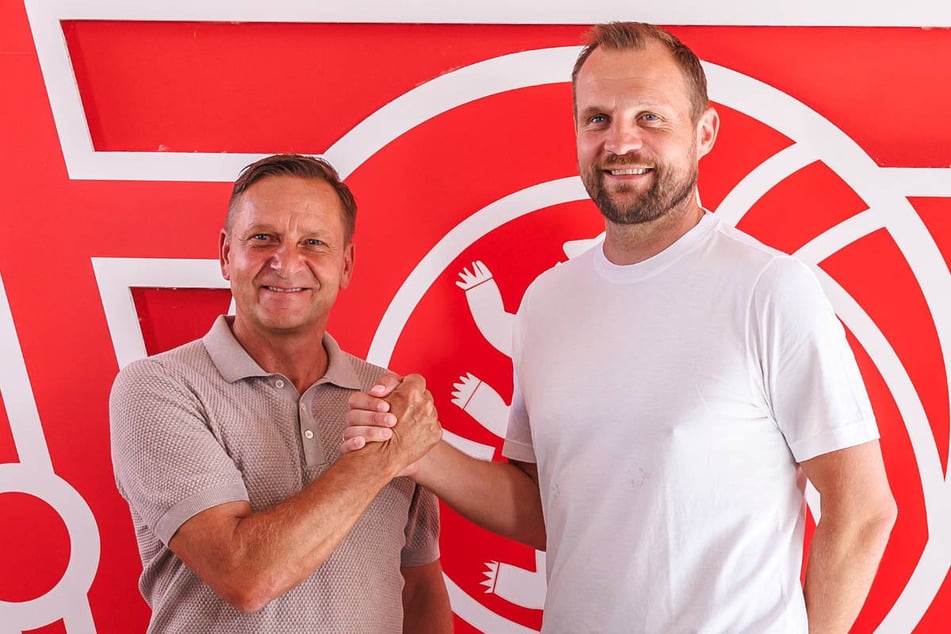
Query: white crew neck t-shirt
{"points": [[667, 404]]}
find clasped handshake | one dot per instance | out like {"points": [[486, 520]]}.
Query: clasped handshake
{"points": [[399, 414]]}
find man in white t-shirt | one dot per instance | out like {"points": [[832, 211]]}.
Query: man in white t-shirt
{"points": [[674, 387]]}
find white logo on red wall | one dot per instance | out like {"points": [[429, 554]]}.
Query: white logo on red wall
{"points": [[467, 190]]}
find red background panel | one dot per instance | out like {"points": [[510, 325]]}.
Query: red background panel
{"points": [[253, 87], [186, 86]]}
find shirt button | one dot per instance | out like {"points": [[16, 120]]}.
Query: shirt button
{"points": [[308, 434], [279, 383], [303, 407]]}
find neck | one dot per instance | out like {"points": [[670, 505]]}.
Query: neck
{"points": [[300, 357], [630, 244]]}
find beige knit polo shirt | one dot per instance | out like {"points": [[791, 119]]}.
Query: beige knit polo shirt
{"points": [[202, 425]]}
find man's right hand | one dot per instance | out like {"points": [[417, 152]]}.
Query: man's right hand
{"points": [[397, 412]]}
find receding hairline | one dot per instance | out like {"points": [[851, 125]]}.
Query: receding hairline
{"points": [[639, 36]]}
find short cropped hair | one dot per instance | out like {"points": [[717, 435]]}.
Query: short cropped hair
{"points": [[308, 167], [620, 36]]}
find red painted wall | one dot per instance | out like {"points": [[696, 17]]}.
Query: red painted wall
{"points": [[482, 177]]}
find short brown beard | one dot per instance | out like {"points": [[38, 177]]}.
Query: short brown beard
{"points": [[662, 196]]}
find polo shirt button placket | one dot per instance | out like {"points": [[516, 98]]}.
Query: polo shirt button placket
{"points": [[308, 433]]}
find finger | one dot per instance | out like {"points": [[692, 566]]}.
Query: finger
{"points": [[368, 434], [352, 444], [416, 381], [385, 384], [363, 418], [364, 401]]}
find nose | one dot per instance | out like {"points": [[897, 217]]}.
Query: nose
{"points": [[623, 137], [286, 259]]}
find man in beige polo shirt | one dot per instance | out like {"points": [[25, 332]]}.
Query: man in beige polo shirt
{"points": [[248, 519]]}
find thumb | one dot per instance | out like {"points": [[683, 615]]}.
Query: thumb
{"points": [[385, 384]]}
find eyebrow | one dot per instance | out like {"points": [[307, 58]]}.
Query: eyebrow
{"points": [[589, 111], [259, 228]]}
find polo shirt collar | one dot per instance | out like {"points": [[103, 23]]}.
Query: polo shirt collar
{"points": [[234, 363]]}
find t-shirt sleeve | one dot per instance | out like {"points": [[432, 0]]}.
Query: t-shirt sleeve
{"points": [[813, 386], [518, 443], [168, 464], [422, 530]]}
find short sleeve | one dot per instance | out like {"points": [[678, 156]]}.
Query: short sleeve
{"points": [[422, 530], [518, 443], [812, 381], [168, 464]]}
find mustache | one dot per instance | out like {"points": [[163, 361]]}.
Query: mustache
{"points": [[623, 160]]}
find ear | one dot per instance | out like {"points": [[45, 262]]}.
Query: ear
{"points": [[224, 255], [707, 128], [349, 252]]}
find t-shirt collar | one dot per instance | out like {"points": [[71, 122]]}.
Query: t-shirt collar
{"points": [[626, 273]]}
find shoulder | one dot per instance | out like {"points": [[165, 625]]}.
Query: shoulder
{"points": [[163, 370], [742, 248], [563, 275], [764, 267], [365, 373], [178, 359]]}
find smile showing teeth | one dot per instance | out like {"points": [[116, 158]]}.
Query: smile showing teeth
{"points": [[630, 171], [284, 290]]}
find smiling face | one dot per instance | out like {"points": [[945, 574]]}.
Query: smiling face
{"points": [[638, 145], [286, 257]]}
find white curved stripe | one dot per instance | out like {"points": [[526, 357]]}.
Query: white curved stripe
{"points": [[919, 592], [452, 244], [469, 447], [69, 595], [790, 117], [933, 276], [840, 236], [489, 77], [479, 616], [17, 394], [761, 179]]}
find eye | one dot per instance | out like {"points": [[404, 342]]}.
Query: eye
{"points": [[314, 244], [260, 236], [598, 119], [650, 117]]}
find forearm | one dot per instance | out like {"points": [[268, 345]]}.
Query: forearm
{"points": [[843, 560], [498, 496], [426, 608], [264, 554]]}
